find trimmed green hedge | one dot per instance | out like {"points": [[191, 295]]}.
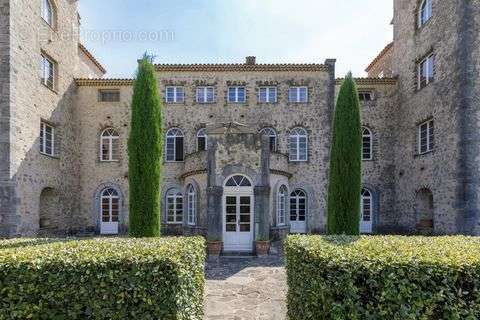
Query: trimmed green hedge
{"points": [[121, 278], [340, 277]]}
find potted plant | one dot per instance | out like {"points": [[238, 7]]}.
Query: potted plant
{"points": [[214, 247], [262, 247]]}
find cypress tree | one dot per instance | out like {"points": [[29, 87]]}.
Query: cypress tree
{"points": [[145, 153], [345, 163]]}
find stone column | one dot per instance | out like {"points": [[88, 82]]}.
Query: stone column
{"points": [[214, 213], [262, 209]]}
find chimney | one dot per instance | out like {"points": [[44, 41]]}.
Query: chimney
{"points": [[250, 60]]}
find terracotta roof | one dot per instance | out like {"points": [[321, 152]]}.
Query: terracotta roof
{"points": [[240, 67], [92, 58], [371, 81], [380, 55], [99, 82]]}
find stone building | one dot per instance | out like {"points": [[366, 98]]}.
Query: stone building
{"points": [[246, 144]]}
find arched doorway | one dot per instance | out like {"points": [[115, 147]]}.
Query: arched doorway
{"points": [[50, 210], [366, 211], [238, 214], [424, 211], [298, 211], [109, 211]]}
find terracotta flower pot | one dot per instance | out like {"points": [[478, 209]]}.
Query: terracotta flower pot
{"points": [[262, 248], [214, 248]]}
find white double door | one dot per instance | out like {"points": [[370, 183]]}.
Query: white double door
{"points": [[238, 219]]}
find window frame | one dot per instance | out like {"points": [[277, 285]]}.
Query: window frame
{"points": [[202, 91], [297, 94], [202, 134], [364, 197], [177, 98], [294, 134], [111, 140], [50, 72], [191, 205], [268, 90], [282, 198], [43, 139], [427, 63], [295, 196], [49, 13], [363, 93], [430, 137], [368, 135], [272, 134], [111, 93], [237, 95], [174, 137], [110, 197], [425, 6], [174, 195]]}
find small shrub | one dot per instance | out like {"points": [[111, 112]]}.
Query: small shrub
{"points": [[158, 278], [340, 277]]}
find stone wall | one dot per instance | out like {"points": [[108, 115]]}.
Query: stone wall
{"points": [[93, 116], [32, 102], [7, 222], [438, 101]]}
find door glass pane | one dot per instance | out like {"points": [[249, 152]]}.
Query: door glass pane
{"points": [[231, 227], [245, 227], [245, 200]]}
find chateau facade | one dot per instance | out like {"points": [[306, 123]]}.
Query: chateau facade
{"points": [[246, 145]]}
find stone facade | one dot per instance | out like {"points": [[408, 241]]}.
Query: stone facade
{"points": [[433, 192]]}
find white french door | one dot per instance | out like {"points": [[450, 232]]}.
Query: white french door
{"points": [[298, 212], [238, 219], [366, 225], [110, 206]]}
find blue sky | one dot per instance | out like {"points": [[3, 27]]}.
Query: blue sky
{"points": [[220, 31]]}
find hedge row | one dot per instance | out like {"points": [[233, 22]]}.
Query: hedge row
{"points": [[383, 277], [159, 278]]}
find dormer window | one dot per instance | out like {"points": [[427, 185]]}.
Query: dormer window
{"points": [[48, 12], [424, 12]]}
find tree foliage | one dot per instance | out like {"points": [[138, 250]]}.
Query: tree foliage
{"points": [[345, 163], [145, 153]]}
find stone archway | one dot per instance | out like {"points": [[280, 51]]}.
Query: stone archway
{"points": [[50, 211], [424, 211]]}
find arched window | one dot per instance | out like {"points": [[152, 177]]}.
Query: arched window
{"points": [[366, 207], [109, 145], [238, 181], [281, 205], [298, 145], [367, 152], [202, 140], [272, 137], [48, 12], [174, 145], [424, 12], [110, 204], [191, 205], [298, 205], [174, 206]]}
